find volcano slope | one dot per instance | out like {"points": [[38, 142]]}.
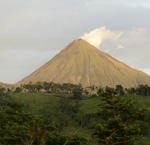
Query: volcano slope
{"points": [[82, 63]]}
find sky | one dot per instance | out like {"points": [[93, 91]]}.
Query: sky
{"points": [[33, 31]]}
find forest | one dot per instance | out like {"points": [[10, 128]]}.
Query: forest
{"points": [[66, 114]]}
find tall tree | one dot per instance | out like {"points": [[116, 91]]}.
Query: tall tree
{"points": [[77, 92], [119, 124]]}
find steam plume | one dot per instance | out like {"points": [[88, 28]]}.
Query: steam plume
{"points": [[97, 36]]}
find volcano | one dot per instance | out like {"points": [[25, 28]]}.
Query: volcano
{"points": [[82, 63]]}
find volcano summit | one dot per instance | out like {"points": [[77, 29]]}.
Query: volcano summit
{"points": [[80, 62]]}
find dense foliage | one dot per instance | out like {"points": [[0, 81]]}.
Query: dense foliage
{"points": [[120, 123], [20, 127], [51, 87], [113, 118]]}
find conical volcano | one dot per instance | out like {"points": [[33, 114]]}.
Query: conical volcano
{"points": [[80, 62]]}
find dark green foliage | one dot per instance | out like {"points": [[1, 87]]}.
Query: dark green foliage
{"points": [[18, 89], [64, 108], [29, 87], [76, 140], [58, 139], [120, 90], [131, 91], [108, 92], [115, 131], [143, 90], [77, 92], [93, 96], [144, 118], [55, 139], [67, 114], [38, 86], [18, 126], [119, 124], [2, 91], [49, 87], [100, 91], [46, 87]]}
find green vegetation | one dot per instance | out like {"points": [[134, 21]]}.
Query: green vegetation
{"points": [[20, 126], [120, 123], [54, 114]]}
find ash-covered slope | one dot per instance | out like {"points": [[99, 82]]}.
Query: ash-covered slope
{"points": [[83, 63]]}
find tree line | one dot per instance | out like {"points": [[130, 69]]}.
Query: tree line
{"points": [[51, 87]]}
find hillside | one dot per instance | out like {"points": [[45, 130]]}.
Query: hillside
{"points": [[6, 85], [48, 107], [83, 63]]}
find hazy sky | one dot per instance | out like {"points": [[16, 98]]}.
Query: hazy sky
{"points": [[33, 31]]}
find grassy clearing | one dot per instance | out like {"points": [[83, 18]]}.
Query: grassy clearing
{"points": [[142, 101], [38, 101]]}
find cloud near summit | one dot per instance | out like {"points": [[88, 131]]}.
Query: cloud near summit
{"points": [[97, 36]]}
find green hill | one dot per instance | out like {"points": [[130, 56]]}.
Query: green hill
{"points": [[48, 106]]}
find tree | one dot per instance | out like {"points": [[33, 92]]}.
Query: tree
{"points": [[77, 92], [38, 86], [131, 91], [143, 90], [59, 139], [17, 125], [18, 90], [120, 90], [46, 87], [119, 124], [29, 87], [108, 92], [100, 91], [92, 88], [20, 127]]}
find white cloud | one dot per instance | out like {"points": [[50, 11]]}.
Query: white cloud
{"points": [[97, 36]]}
